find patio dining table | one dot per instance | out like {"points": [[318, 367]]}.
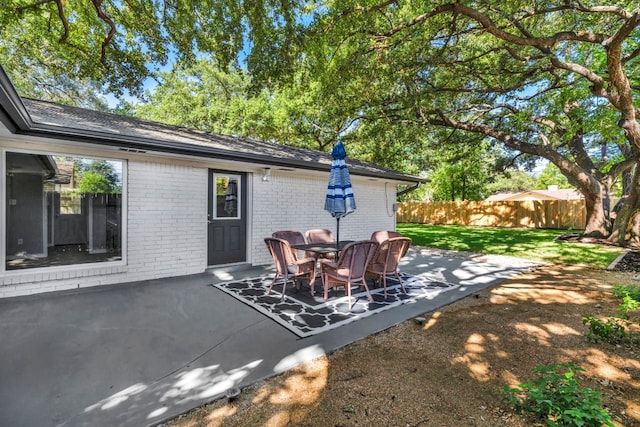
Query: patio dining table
{"points": [[323, 248]]}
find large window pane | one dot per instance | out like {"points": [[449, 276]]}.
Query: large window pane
{"points": [[62, 210]]}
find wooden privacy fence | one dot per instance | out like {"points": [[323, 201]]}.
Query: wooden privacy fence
{"points": [[526, 213]]}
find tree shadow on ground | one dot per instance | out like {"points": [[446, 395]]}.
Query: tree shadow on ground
{"points": [[449, 370]]}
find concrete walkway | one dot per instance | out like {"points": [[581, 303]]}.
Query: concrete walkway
{"points": [[140, 353]]}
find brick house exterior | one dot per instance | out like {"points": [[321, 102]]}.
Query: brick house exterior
{"points": [[165, 178]]}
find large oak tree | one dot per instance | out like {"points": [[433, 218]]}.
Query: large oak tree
{"points": [[554, 79]]}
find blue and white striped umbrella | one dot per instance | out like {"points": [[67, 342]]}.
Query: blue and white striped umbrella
{"points": [[339, 201]]}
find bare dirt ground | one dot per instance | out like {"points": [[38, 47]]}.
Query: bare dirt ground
{"points": [[450, 370]]}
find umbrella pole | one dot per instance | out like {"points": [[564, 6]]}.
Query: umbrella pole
{"points": [[338, 233]]}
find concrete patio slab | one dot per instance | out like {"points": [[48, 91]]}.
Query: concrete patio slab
{"points": [[140, 353]]}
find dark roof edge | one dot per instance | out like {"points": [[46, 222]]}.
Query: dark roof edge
{"points": [[13, 113], [144, 145]]}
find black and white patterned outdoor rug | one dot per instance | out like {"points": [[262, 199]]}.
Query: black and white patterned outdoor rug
{"points": [[305, 315]]}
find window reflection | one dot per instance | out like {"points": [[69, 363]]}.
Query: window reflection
{"points": [[62, 210], [227, 196]]}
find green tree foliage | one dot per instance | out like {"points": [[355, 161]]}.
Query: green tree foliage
{"points": [[203, 96], [97, 177], [551, 175], [94, 183], [118, 45], [463, 171], [460, 181], [511, 181]]}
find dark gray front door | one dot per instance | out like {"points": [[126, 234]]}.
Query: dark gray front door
{"points": [[227, 229]]}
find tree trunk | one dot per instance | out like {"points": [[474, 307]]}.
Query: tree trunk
{"points": [[597, 224], [595, 190], [627, 181], [626, 228]]}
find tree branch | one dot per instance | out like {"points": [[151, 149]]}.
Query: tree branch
{"points": [[620, 167], [97, 4], [603, 9], [631, 55], [582, 176], [598, 82], [488, 24]]}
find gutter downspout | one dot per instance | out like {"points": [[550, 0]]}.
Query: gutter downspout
{"points": [[408, 190]]}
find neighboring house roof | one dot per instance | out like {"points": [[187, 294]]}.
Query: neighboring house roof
{"points": [[499, 197], [64, 174], [46, 119], [561, 194]]}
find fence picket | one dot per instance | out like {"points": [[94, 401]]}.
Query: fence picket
{"points": [[525, 213]]}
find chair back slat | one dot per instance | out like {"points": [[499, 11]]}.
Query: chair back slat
{"points": [[356, 256], [395, 249], [383, 235], [291, 236], [281, 253]]}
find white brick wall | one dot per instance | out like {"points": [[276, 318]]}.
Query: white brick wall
{"points": [[166, 223], [167, 211], [291, 202]]}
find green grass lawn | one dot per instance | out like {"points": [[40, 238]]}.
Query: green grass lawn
{"points": [[519, 242]]}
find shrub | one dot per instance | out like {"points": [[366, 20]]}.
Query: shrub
{"points": [[621, 329], [611, 330], [630, 296], [556, 398]]}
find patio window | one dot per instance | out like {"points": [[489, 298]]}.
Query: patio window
{"points": [[62, 210]]}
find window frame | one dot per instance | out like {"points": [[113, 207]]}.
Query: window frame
{"points": [[238, 179]]}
